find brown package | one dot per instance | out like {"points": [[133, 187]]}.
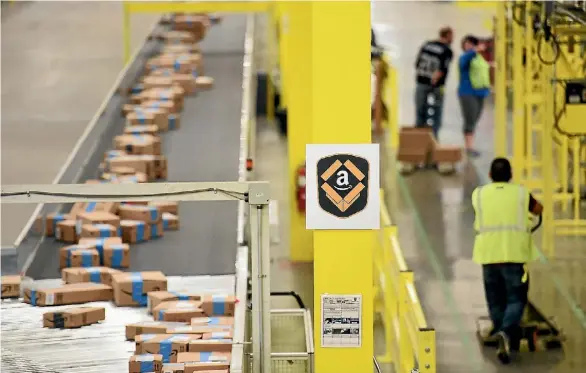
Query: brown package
{"points": [[157, 229], [138, 144], [167, 106], [166, 206], [204, 82], [205, 332], [134, 231], [181, 49], [146, 129], [157, 81], [447, 154], [66, 231], [174, 94], [113, 154], [68, 294], [117, 256], [84, 258], [123, 171], [175, 368], [210, 345], [415, 145], [98, 231], [74, 317], [177, 37], [185, 81], [151, 344], [211, 367], [65, 253], [152, 363], [178, 311], [148, 214], [215, 320], [159, 113], [198, 357], [170, 222], [157, 297], [98, 217], [174, 122], [135, 177], [10, 286], [99, 275], [100, 243], [196, 24], [140, 117], [51, 223], [130, 289], [150, 165], [218, 305], [149, 327]]}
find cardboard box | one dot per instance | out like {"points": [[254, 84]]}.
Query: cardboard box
{"points": [[73, 317], [149, 327], [100, 244], [185, 81], [65, 253], [123, 171], [210, 345], [212, 321], [10, 286], [197, 25], [135, 231], [174, 94], [166, 206], [138, 144], [130, 289], [98, 275], [447, 154], [167, 106], [177, 37], [135, 177], [140, 117], [219, 305], [68, 294], [204, 82], [84, 258], [157, 230], [157, 81], [183, 48], [117, 256], [199, 357], [175, 368], [51, 223], [145, 363], [66, 231], [83, 207], [179, 311], [209, 367], [146, 129], [148, 214], [174, 122], [159, 114], [167, 345], [98, 217], [113, 154], [415, 145], [157, 297], [154, 166], [98, 231], [170, 222], [205, 332]]}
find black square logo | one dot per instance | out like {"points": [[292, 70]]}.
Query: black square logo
{"points": [[343, 184]]}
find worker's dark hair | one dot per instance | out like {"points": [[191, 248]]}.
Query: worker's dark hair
{"points": [[471, 39], [500, 170], [444, 32]]}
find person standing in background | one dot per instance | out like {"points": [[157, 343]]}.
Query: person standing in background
{"points": [[473, 88], [432, 66]]}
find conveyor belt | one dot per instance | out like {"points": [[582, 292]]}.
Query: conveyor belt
{"points": [[205, 148]]}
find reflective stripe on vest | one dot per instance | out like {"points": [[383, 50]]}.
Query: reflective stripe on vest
{"points": [[521, 225]]}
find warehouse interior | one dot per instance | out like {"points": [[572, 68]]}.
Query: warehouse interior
{"points": [[65, 81]]}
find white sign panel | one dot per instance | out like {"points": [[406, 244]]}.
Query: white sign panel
{"points": [[343, 186], [341, 320]]}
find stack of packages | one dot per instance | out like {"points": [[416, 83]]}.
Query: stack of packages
{"points": [[417, 146]]}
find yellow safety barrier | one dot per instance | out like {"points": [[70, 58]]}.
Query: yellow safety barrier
{"points": [[409, 340]]}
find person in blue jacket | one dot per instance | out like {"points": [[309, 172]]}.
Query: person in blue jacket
{"points": [[471, 97]]}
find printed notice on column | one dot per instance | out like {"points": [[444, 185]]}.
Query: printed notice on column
{"points": [[341, 320]]}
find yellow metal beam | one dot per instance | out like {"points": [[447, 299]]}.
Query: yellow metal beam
{"points": [[198, 6], [500, 82], [340, 85]]}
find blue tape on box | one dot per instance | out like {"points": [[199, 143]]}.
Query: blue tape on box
{"points": [[100, 247], [205, 356], [141, 118], [166, 346], [117, 255], [119, 230], [181, 296], [154, 213], [33, 297], [104, 230], [56, 219], [171, 122], [194, 73], [137, 289], [68, 257], [154, 231], [161, 314], [87, 259], [91, 206], [177, 65], [218, 304], [155, 105], [165, 224], [147, 366], [95, 275], [140, 232], [220, 335], [214, 321]]}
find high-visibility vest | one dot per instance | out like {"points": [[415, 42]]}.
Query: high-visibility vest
{"points": [[503, 230]]}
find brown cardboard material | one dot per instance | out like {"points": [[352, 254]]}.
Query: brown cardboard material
{"points": [[174, 122], [113, 154], [185, 81], [126, 295], [134, 177], [159, 113], [157, 297], [177, 37], [149, 327], [219, 305], [157, 81], [137, 363], [84, 258], [220, 331], [65, 253], [209, 367], [100, 243], [98, 217], [73, 317], [196, 24], [68, 294], [145, 129], [157, 230], [117, 256], [179, 311], [51, 223], [66, 231], [175, 368], [166, 206], [183, 48], [415, 145], [215, 320], [170, 222], [140, 118], [138, 144], [447, 154], [210, 345], [85, 207], [204, 82], [168, 106], [196, 357], [135, 231], [148, 214], [151, 344], [99, 275], [174, 94], [10, 286], [147, 164], [98, 231], [123, 171]]}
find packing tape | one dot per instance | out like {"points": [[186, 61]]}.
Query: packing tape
{"points": [[161, 314], [99, 242], [68, 256], [194, 73], [140, 116], [87, 258], [177, 65], [137, 89], [154, 231], [166, 346], [171, 122], [166, 224], [220, 335], [214, 321], [58, 320], [147, 366], [33, 297], [56, 219], [137, 289], [90, 207], [180, 296], [117, 256], [218, 304], [105, 230], [95, 274], [140, 232], [154, 213], [119, 231], [205, 356]]}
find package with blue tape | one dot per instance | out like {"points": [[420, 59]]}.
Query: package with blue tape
{"points": [[204, 82], [157, 297], [65, 253], [210, 345], [219, 305], [203, 357], [213, 321], [68, 294], [131, 288], [74, 317], [51, 223], [117, 256], [100, 243], [98, 231], [170, 222], [84, 258], [166, 206], [65, 231], [140, 117], [140, 163], [113, 154], [158, 81], [178, 311], [176, 368], [98, 275], [135, 231], [150, 327], [157, 230], [98, 217], [148, 214], [167, 345], [145, 363], [138, 144], [147, 129]]}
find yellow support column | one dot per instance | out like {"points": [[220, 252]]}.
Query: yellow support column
{"points": [[297, 30], [282, 17], [518, 132], [500, 82], [340, 86]]}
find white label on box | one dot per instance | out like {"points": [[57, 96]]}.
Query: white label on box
{"points": [[181, 329], [184, 305], [142, 358], [49, 299]]}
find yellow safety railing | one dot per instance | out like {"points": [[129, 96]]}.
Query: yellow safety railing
{"points": [[409, 341]]}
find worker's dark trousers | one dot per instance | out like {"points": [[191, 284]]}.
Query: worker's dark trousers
{"points": [[426, 114], [506, 295]]}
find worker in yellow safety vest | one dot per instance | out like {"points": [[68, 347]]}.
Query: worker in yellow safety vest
{"points": [[503, 245]]}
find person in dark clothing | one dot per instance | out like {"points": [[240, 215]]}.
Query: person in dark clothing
{"points": [[432, 66]]}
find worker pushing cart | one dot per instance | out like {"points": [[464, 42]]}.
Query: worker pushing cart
{"points": [[503, 246]]}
